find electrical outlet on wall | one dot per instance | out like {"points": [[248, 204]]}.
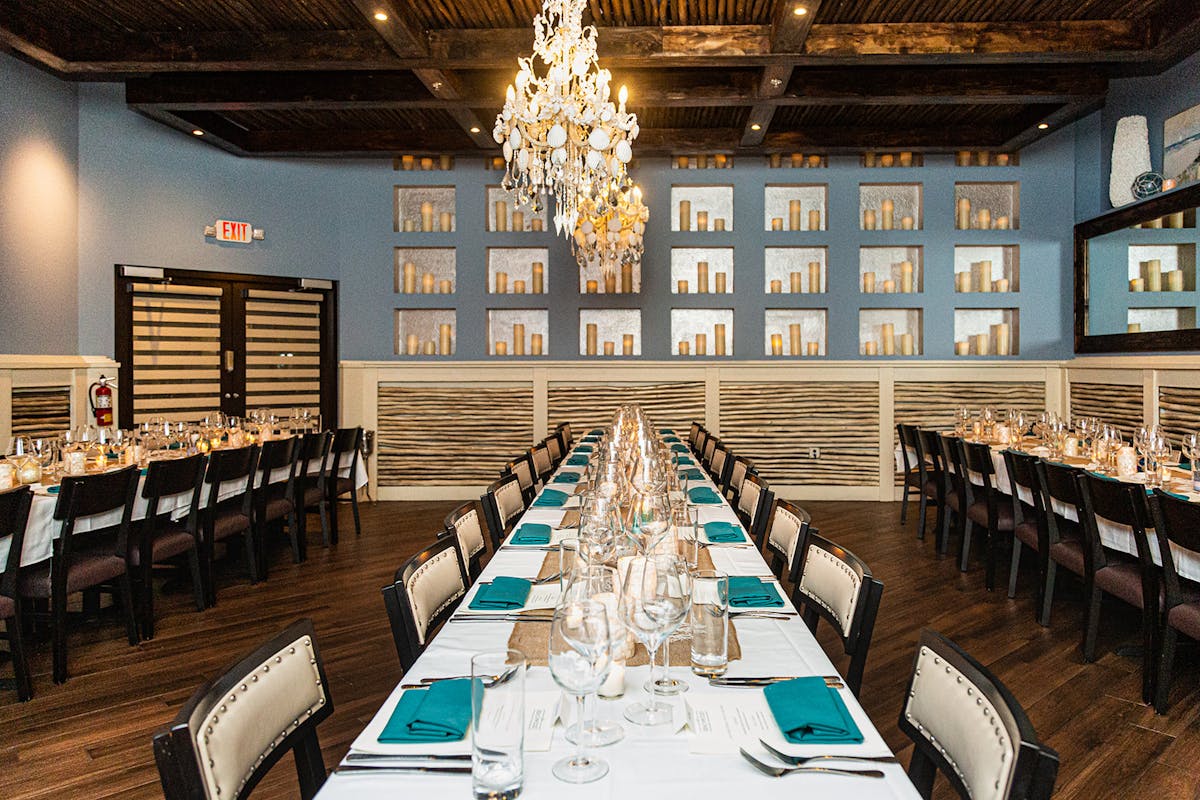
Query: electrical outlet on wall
{"points": [[814, 452]]}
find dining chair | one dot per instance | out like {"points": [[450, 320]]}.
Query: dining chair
{"points": [[835, 585], [160, 537], [235, 728], [1176, 527], [955, 492], [694, 434], [423, 594], [710, 447], [1029, 518], [227, 509], [753, 505], [937, 481], [14, 516], [344, 455], [1064, 536], [1134, 579], [312, 478], [88, 561], [967, 725], [502, 506], [719, 468], [466, 525], [739, 468], [554, 446], [702, 437], [914, 474], [987, 509], [543, 465], [522, 467], [565, 436], [786, 527], [275, 500]]}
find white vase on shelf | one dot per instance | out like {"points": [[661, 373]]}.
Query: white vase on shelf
{"points": [[1130, 158]]}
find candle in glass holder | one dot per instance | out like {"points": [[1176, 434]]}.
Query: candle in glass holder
{"points": [[906, 277], [776, 223], [535, 224], [868, 219], [684, 347], [814, 219], [518, 220], [887, 336], [794, 216], [701, 220], [610, 283], [984, 219], [627, 344], [501, 221], [794, 338], [797, 282], [592, 287], [591, 335], [719, 338], [906, 223], [445, 222], [719, 282], [776, 344], [426, 216], [889, 286], [518, 287], [814, 277], [539, 278], [813, 348], [445, 346], [702, 277], [868, 281], [906, 344], [870, 348], [681, 287], [535, 344], [410, 277], [701, 344], [428, 281], [500, 348], [685, 215], [962, 348], [776, 287], [501, 283], [962, 216], [887, 215], [627, 278], [518, 338], [412, 344]]}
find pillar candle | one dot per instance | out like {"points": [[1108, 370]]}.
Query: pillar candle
{"points": [[962, 217], [446, 162], [962, 282], [412, 344], [1133, 327], [609, 349], [518, 220], [962, 348], [681, 287], [985, 158], [498, 162], [868, 282], [426, 216], [1001, 159], [500, 348], [794, 215], [719, 338], [409, 225], [906, 158], [870, 348], [720, 161], [610, 283], [1153, 274], [906, 277], [814, 348], [776, 223], [869, 219], [701, 220], [426, 163], [518, 338], [981, 344], [985, 276], [684, 348], [1001, 223], [591, 333], [776, 344], [501, 283], [1175, 220], [906, 344], [681, 162], [797, 159], [702, 277], [627, 344], [887, 160], [685, 215], [535, 343], [444, 344], [887, 336], [962, 158], [429, 348], [445, 222], [445, 286], [796, 282], [701, 344], [627, 278], [889, 286], [1137, 285], [501, 221], [518, 287], [719, 283], [868, 159], [1175, 280], [887, 214], [906, 223], [1002, 336], [984, 219], [592, 287], [535, 224], [814, 277], [814, 160], [719, 224], [539, 278], [1155, 223], [406, 163], [427, 283], [410, 277], [776, 287], [775, 160], [814, 219], [701, 161], [794, 338], [1000, 285]]}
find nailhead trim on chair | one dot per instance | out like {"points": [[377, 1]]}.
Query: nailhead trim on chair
{"points": [[423, 619], [851, 575]]}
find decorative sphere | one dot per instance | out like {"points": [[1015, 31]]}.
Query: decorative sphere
{"points": [[1147, 184]]}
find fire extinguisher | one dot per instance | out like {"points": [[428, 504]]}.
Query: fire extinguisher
{"points": [[101, 401]]}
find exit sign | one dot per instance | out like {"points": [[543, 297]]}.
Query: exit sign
{"points": [[232, 231]]}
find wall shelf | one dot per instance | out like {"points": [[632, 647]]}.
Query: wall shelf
{"points": [[901, 158], [890, 270], [986, 332], [702, 331], [702, 270], [424, 209], [425, 332], [795, 332], [610, 332]]}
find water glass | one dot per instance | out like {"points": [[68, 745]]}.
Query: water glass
{"points": [[498, 724], [568, 560], [1191, 449], [710, 622]]}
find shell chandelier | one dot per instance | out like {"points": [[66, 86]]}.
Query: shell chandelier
{"points": [[608, 239], [561, 132]]}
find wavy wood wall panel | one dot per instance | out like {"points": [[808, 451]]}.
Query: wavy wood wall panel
{"points": [[451, 435], [41, 412], [775, 425], [1114, 403], [672, 405], [1179, 411]]}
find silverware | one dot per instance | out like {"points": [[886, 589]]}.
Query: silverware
{"points": [[832, 681], [798, 761], [389, 769], [384, 757], [744, 545], [502, 617], [764, 614], [547, 579], [779, 772], [488, 681]]}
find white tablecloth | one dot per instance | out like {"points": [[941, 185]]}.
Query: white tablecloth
{"points": [[650, 764]]}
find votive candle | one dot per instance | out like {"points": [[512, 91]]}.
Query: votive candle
{"points": [[776, 223], [609, 349], [814, 348], [868, 219], [500, 348], [681, 287], [591, 287]]}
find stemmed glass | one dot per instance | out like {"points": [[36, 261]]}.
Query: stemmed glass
{"points": [[655, 599], [1158, 447], [1191, 449], [652, 521], [599, 583], [580, 657], [962, 417]]}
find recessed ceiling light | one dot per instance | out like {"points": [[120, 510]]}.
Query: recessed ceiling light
{"points": [[474, 129], [381, 16], [197, 132], [799, 11], [756, 127], [1043, 125]]}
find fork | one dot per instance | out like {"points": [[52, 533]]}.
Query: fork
{"points": [[547, 579], [779, 772], [799, 761]]}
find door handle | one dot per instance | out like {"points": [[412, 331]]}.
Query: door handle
{"points": [[227, 395], [228, 362], [235, 394]]}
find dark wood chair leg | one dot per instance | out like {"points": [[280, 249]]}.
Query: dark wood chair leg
{"points": [[298, 532], [922, 510], [1048, 593], [1014, 566], [1150, 634], [922, 771], [58, 630], [904, 503], [323, 510], [1093, 597], [197, 576], [1166, 663], [145, 594], [206, 561], [310, 767], [129, 603], [333, 519], [991, 537], [964, 552], [354, 506], [252, 537], [16, 643]]}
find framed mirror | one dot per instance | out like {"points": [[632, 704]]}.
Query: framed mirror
{"points": [[1135, 277]]}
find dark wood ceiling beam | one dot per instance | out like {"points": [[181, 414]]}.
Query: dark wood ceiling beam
{"points": [[217, 130], [1027, 132], [756, 126], [791, 23]]}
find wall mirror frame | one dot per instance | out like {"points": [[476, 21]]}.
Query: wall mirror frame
{"points": [[1159, 206]]}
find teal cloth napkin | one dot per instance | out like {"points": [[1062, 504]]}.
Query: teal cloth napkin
{"points": [[589, 439], [583, 448], [809, 712], [550, 498], [692, 474], [441, 713], [53, 489], [567, 477], [595, 431], [531, 533], [665, 430], [747, 591], [685, 461], [702, 495], [502, 594], [579, 460], [680, 448], [724, 532], [671, 439]]}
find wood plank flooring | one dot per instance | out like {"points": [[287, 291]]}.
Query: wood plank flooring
{"points": [[91, 737]]}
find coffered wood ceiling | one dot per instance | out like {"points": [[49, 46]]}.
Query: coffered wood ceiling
{"points": [[325, 77]]}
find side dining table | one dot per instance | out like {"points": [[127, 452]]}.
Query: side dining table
{"points": [[652, 763]]}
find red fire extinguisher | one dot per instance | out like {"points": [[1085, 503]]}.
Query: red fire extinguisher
{"points": [[101, 401]]}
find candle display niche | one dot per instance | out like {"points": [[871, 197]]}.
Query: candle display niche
{"points": [[796, 331], [797, 270], [890, 331], [505, 214], [890, 206], [622, 327], [987, 206], [987, 268], [896, 268], [424, 209], [419, 267], [704, 331], [900, 158], [419, 329], [986, 331], [702, 270], [696, 206], [797, 207], [517, 270], [518, 331]]}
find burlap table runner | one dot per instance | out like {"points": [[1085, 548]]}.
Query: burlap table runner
{"points": [[533, 638]]}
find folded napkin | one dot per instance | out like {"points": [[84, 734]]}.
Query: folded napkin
{"points": [[531, 533], [53, 489], [747, 591], [550, 498], [702, 495], [724, 532], [583, 448], [680, 448], [441, 713], [809, 712], [665, 430], [591, 437], [579, 460], [685, 461], [595, 431], [671, 439], [502, 594], [692, 474], [567, 477]]}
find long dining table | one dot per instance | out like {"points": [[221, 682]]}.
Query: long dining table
{"points": [[667, 761]]}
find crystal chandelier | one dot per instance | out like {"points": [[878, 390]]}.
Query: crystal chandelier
{"points": [[561, 132], [607, 239]]}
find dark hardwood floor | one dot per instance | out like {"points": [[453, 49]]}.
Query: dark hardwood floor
{"points": [[91, 737]]}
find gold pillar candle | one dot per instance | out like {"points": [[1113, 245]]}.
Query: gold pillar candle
{"points": [[429, 348], [591, 333], [685, 215], [498, 162], [701, 161], [412, 344], [962, 282], [887, 216], [518, 287], [681, 287], [776, 223], [518, 220], [985, 276], [702, 277], [409, 225], [609, 349], [982, 344], [1001, 159], [814, 160], [518, 338], [684, 348], [720, 161], [719, 224], [719, 338], [1002, 336], [445, 222], [906, 277], [887, 338], [681, 162], [814, 348], [446, 162], [814, 277], [701, 344], [1137, 285], [962, 217], [906, 223], [1000, 285], [906, 158], [426, 163], [1155, 223], [535, 344], [776, 344], [1133, 327], [427, 216], [1175, 220], [870, 348], [627, 344], [868, 282], [776, 287], [410, 277], [797, 160], [592, 287], [869, 219], [1175, 280], [962, 348], [794, 215], [814, 219], [500, 348], [719, 283], [535, 224], [701, 220], [962, 158], [539, 278], [1152, 270], [501, 221], [627, 278], [868, 159], [428, 280], [887, 160], [406, 163], [906, 344], [797, 282], [445, 286], [794, 338], [984, 219], [610, 283], [889, 286], [501, 283], [444, 340], [775, 160], [1001, 223]]}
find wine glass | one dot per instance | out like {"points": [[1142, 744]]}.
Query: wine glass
{"points": [[651, 521], [654, 600], [1191, 449], [580, 657], [599, 583]]}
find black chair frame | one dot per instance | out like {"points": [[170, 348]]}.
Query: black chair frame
{"points": [[14, 516], [403, 624]]}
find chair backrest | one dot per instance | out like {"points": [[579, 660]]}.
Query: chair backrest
{"points": [[694, 433], [542, 463], [565, 435], [710, 447], [423, 594], [979, 459], [522, 467], [1123, 503], [313, 459], [739, 468], [235, 728], [502, 505], [172, 477], [88, 495], [909, 446], [14, 516], [719, 465], [931, 448], [701, 438], [1176, 524], [466, 524], [346, 449], [1023, 480], [226, 466], [785, 529], [554, 445], [753, 502], [968, 726], [837, 586]]}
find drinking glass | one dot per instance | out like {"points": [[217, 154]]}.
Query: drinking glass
{"points": [[652, 520], [1158, 447], [1191, 449], [654, 600], [687, 532], [599, 583], [569, 560], [580, 656], [710, 622], [498, 724]]}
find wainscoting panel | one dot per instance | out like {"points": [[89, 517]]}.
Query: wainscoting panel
{"points": [[588, 405], [41, 412], [1179, 411], [1117, 404]]}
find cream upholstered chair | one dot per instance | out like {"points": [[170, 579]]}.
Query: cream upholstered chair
{"points": [[739, 468], [543, 465], [694, 434], [786, 527], [968, 726], [424, 593], [502, 505], [710, 447], [719, 466], [554, 445], [753, 503], [234, 729], [835, 585], [565, 436], [522, 467], [465, 523]]}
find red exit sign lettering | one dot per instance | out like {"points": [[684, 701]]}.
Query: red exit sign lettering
{"points": [[232, 231]]}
